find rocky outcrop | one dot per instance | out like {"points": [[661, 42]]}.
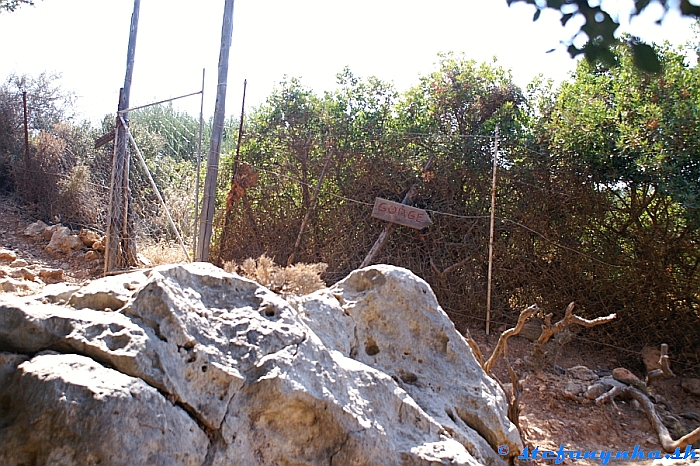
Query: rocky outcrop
{"points": [[190, 365]]}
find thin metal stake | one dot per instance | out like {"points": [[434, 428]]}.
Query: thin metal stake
{"points": [[493, 220]]}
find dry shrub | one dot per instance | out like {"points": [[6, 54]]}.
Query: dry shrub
{"points": [[163, 252], [295, 280], [76, 200]]}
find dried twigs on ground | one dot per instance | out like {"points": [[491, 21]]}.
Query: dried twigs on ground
{"points": [[667, 443]]}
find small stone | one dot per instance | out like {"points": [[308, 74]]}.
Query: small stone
{"points": [[19, 263], [62, 242], [581, 373], [88, 237], [594, 391], [51, 275], [48, 232], [7, 256], [91, 255], [35, 229], [691, 386], [623, 375]]}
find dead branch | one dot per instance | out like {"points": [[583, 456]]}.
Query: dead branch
{"points": [[502, 345], [667, 443], [310, 209], [665, 371], [475, 349], [514, 401], [441, 276], [548, 330]]}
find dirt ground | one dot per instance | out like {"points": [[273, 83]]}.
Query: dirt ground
{"points": [[549, 418]]}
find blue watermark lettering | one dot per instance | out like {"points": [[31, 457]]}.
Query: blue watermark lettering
{"points": [[561, 455], [637, 453], [604, 456]]}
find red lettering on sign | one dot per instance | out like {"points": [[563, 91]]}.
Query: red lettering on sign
{"points": [[400, 213]]}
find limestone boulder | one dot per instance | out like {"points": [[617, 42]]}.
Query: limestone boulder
{"points": [[691, 386], [68, 409], [389, 319], [205, 367]]}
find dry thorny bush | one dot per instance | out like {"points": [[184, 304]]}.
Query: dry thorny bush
{"points": [[297, 279]]}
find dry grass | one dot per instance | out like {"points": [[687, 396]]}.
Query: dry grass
{"points": [[295, 280], [163, 252]]}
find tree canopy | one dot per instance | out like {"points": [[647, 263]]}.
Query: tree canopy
{"points": [[12, 5], [601, 24]]}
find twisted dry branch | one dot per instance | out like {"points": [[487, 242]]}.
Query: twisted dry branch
{"points": [[548, 330], [502, 345], [667, 442]]}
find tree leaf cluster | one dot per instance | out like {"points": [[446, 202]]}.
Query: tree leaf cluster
{"points": [[600, 26]]}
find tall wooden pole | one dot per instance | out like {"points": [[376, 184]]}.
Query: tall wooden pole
{"points": [[26, 136], [493, 221], [119, 249], [209, 198]]}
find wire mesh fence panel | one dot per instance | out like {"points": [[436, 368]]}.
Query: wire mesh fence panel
{"points": [[169, 143]]}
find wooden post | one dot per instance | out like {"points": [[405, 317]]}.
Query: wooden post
{"points": [[207, 215], [119, 247], [26, 136], [493, 219]]}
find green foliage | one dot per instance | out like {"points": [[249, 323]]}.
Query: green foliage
{"points": [[624, 127], [12, 5], [599, 27]]}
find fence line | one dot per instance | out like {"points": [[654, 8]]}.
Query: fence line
{"points": [[466, 217]]}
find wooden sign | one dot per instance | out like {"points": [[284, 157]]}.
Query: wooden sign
{"points": [[402, 214]]}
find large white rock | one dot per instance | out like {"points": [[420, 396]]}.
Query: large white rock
{"points": [[371, 372], [388, 318], [69, 410]]}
